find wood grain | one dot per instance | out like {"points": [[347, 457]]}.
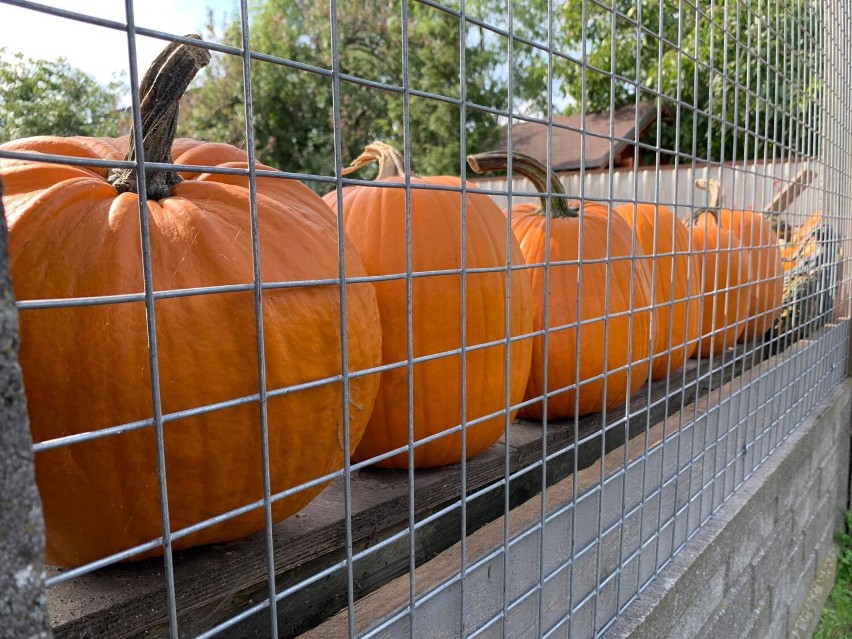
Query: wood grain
{"points": [[393, 597], [214, 583]]}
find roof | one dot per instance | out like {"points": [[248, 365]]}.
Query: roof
{"points": [[531, 137]]}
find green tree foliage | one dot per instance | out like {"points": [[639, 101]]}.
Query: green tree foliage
{"points": [[738, 78], [43, 97], [293, 106], [734, 80], [836, 618]]}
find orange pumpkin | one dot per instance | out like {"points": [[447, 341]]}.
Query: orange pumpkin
{"points": [[375, 220], [725, 276], [755, 234], [677, 287], [74, 234], [605, 265]]}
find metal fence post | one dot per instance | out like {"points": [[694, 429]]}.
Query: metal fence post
{"points": [[23, 603]]}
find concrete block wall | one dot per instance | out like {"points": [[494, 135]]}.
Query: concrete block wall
{"points": [[762, 566], [717, 523]]}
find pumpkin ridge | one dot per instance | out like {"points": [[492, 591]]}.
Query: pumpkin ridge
{"points": [[87, 367], [436, 244]]}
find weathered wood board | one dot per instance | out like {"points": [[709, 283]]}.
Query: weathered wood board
{"points": [[216, 582]]}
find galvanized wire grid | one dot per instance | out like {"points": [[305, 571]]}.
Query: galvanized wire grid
{"points": [[624, 528]]}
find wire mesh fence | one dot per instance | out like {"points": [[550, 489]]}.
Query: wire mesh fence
{"points": [[396, 409]]}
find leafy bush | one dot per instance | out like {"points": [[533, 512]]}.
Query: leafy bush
{"points": [[836, 619]]}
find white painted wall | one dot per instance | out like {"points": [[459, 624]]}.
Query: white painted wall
{"points": [[751, 185]]}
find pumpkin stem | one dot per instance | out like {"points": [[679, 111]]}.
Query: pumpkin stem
{"points": [[160, 92], [531, 169], [715, 197], [391, 162]]}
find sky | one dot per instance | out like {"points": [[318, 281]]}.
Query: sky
{"points": [[100, 51]]}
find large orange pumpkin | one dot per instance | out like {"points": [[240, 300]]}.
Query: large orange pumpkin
{"points": [[677, 287], [724, 273], [755, 233], [375, 220], [607, 263], [74, 234]]}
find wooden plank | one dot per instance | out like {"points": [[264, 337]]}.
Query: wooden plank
{"points": [[216, 582], [393, 597], [786, 196]]}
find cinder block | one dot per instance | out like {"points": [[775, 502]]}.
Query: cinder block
{"points": [[557, 541], [613, 506], [628, 581], [650, 517], [583, 621], [768, 564], [809, 614], [647, 561], [795, 468], [752, 531], [761, 619], [701, 605], [668, 501], [704, 582], [684, 455], [718, 490], [607, 605], [523, 620], [803, 582], [523, 564], [748, 568], [664, 545], [653, 465], [781, 591], [556, 592], [483, 593], [438, 617], [819, 535], [831, 479], [825, 447], [699, 433], [706, 504], [586, 523], [696, 474], [682, 488], [680, 529], [670, 458], [585, 574], [730, 479], [611, 552], [734, 612], [806, 505], [693, 515], [634, 484]]}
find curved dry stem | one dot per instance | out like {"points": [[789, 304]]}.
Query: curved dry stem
{"points": [[161, 91], [531, 169], [391, 163], [716, 196]]}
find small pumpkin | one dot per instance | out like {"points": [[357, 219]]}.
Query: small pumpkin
{"points": [[375, 219], [754, 231], [725, 276], [74, 231], [677, 287], [608, 265]]}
